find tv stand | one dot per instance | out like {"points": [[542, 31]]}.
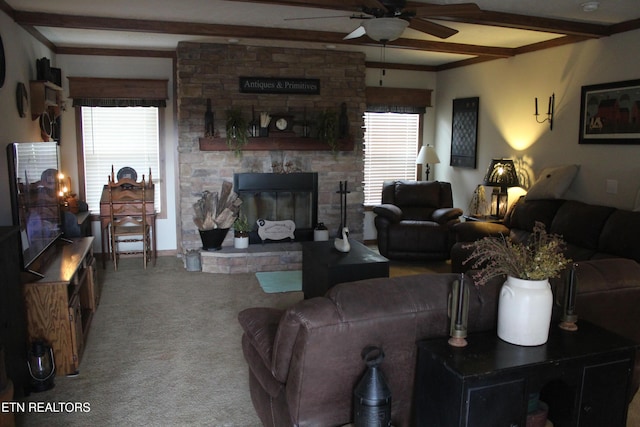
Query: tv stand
{"points": [[61, 304]]}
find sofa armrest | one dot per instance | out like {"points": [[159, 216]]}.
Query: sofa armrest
{"points": [[446, 215], [470, 231], [260, 325], [392, 212]]}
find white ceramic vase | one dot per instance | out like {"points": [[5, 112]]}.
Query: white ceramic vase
{"points": [[241, 242], [524, 311]]}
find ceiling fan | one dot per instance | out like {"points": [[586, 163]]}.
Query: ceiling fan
{"points": [[386, 20]]}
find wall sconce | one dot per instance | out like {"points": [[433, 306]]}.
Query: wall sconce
{"points": [[552, 102], [501, 173], [427, 155]]}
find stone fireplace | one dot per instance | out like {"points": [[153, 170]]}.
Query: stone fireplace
{"points": [[212, 71]]}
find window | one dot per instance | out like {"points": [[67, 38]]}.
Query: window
{"points": [[390, 148], [119, 136]]}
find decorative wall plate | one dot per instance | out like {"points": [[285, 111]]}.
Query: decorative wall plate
{"points": [[22, 99], [46, 127], [127, 172]]}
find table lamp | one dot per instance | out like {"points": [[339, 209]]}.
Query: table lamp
{"points": [[501, 173], [427, 155]]}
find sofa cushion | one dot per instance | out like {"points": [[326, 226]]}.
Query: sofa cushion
{"points": [[621, 234], [552, 183], [580, 224], [423, 194], [524, 213]]}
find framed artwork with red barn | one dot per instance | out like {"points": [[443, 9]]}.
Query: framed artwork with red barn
{"points": [[610, 113]]}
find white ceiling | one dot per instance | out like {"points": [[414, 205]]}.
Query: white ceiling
{"points": [[242, 13]]}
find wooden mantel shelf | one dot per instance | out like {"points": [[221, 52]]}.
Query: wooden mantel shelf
{"points": [[276, 143]]}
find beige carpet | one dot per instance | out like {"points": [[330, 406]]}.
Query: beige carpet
{"points": [[164, 350]]}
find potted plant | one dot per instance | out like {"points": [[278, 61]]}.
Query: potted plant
{"points": [[237, 131], [241, 229], [328, 129], [526, 300], [214, 214]]}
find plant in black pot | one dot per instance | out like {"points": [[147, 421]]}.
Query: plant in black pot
{"points": [[215, 213]]}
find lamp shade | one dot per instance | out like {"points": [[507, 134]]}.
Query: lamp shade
{"points": [[501, 173], [426, 155], [385, 29]]}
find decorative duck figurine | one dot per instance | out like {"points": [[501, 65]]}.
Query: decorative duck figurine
{"points": [[343, 245]]}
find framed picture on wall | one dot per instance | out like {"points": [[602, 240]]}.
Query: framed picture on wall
{"points": [[464, 132], [610, 113]]}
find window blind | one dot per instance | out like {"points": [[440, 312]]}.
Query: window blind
{"points": [[119, 136], [390, 150], [34, 159]]}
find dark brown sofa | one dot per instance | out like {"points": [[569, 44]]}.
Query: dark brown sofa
{"points": [[414, 220], [305, 362], [590, 231]]}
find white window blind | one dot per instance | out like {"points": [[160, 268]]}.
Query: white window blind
{"points": [[34, 159], [390, 150], [119, 136]]}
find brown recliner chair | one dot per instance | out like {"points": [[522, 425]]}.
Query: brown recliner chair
{"points": [[414, 220]]}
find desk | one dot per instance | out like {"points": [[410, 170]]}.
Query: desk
{"points": [[583, 376], [125, 208]]}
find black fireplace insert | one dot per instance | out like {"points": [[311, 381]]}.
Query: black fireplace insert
{"points": [[276, 197]]}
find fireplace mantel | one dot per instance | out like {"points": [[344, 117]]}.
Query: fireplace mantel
{"points": [[276, 143]]}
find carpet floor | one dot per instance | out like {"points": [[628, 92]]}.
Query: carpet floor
{"points": [[164, 350]]}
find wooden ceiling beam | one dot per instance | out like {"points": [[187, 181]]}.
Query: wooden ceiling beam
{"points": [[535, 23], [238, 31]]}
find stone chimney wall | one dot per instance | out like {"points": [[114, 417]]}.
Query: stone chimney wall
{"points": [[212, 71]]}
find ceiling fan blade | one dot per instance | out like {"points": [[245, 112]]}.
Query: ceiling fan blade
{"points": [[358, 32], [432, 28], [461, 9]]}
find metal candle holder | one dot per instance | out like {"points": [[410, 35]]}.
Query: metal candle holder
{"points": [[459, 309]]}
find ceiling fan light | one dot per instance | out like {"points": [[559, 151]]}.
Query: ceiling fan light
{"points": [[385, 29]]}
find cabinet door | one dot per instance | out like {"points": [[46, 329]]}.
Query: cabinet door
{"points": [[496, 404], [604, 394], [77, 337]]}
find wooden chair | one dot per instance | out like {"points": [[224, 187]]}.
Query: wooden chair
{"points": [[127, 194]]}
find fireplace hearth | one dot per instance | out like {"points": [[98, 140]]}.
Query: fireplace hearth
{"points": [[276, 197]]}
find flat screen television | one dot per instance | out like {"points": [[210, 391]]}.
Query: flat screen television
{"points": [[34, 185]]}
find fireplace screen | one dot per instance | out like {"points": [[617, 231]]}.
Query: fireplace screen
{"points": [[279, 197]]}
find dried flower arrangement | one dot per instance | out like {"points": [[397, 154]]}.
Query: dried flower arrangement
{"points": [[539, 259]]}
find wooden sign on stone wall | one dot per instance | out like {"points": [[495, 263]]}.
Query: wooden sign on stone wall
{"points": [[279, 85]]}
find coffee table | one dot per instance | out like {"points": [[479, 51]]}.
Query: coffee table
{"points": [[323, 266]]}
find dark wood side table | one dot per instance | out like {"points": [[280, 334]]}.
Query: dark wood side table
{"points": [[323, 266], [583, 376]]}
